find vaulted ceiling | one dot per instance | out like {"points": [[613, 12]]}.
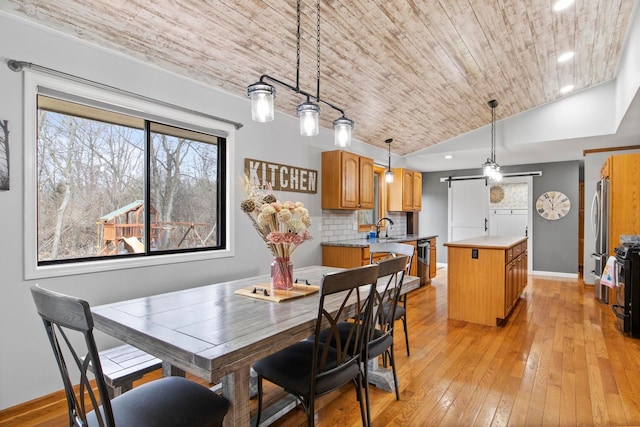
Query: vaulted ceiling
{"points": [[420, 71]]}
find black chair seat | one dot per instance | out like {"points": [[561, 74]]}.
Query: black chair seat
{"points": [[400, 311], [291, 369], [378, 343], [153, 405]]}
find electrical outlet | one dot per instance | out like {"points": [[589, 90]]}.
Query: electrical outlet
{"points": [[319, 226]]}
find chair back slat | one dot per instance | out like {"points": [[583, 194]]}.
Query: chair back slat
{"points": [[69, 326], [388, 295], [353, 286]]}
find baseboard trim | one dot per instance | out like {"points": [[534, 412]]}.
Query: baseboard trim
{"points": [[555, 274]]}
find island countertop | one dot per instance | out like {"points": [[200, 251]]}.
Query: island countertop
{"points": [[488, 242], [364, 242]]}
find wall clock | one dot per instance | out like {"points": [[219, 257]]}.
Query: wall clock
{"points": [[496, 194], [553, 205]]}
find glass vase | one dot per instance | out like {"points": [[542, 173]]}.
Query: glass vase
{"points": [[282, 274]]}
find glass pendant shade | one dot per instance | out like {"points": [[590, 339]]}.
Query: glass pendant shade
{"points": [[261, 95], [388, 176], [309, 113], [492, 170], [342, 132]]}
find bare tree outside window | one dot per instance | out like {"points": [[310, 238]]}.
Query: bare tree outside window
{"points": [[4, 155], [94, 169]]}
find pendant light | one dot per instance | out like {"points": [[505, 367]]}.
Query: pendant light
{"points": [[490, 167], [388, 175], [262, 95]]}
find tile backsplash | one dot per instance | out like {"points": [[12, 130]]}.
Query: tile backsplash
{"points": [[343, 225]]}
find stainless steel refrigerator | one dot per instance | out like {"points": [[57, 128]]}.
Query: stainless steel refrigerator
{"points": [[600, 229]]}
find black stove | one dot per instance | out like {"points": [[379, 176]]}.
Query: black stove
{"points": [[627, 305], [626, 250]]}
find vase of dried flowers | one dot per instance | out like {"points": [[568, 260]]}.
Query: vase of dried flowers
{"points": [[283, 226], [282, 274]]}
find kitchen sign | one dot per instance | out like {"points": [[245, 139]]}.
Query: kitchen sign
{"points": [[281, 177]]}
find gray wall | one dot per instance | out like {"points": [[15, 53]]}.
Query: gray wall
{"points": [[555, 243]]}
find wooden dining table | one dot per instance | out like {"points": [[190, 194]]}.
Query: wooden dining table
{"points": [[215, 334]]}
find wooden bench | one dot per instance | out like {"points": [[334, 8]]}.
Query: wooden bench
{"points": [[123, 365]]}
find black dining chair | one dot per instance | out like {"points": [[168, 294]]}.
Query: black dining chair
{"points": [[169, 401], [392, 249], [318, 365], [379, 336]]}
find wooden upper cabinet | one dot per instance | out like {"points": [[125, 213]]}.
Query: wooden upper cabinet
{"points": [[405, 192], [366, 183], [605, 169], [347, 181], [417, 191], [624, 197]]}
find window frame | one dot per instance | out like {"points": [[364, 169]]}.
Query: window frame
{"points": [[34, 80], [382, 200]]}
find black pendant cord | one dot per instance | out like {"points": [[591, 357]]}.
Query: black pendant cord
{"points": [[493, 134], [318, 49], [297, 88]]}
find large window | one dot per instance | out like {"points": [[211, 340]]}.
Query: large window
{"points": [[111, 184]]}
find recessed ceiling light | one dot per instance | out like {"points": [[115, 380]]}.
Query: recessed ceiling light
{"points": [[448, 156], [562, 5], [566, 89], [565, 56]]}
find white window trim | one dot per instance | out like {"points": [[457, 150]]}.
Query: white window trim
{"points": [[33, 80]]}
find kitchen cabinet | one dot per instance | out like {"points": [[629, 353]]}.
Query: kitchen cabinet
{"points": [[432, 259], [486, 276], [347, 181], [515, 275], [404, 194], [622, 171], [351, 256]]}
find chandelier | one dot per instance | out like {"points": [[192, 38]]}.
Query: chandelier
{"points": [[262, 95], [490, 167]]}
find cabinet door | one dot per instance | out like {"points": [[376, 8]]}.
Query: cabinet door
{"points": [[350, 166], [624, 193], [509, 287], [404, 194], [366, 183], [417, 191], [407, 190], [432, 259]]}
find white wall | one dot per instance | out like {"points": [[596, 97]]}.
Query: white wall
{"points": [[27, 368]]}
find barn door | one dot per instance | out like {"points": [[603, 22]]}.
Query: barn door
{"points": [[468, 211]]}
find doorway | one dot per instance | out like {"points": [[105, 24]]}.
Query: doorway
{"points": [[481, 208]]}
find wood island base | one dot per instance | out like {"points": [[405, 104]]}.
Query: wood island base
{"points": [[486, 276]]}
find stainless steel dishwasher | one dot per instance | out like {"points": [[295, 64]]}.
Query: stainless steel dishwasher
{"points": [[424, 259]]}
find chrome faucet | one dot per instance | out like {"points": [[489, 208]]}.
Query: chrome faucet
{"points": [[378, 226]]}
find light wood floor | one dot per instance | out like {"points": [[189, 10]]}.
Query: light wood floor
{"points": [[560, 360]]}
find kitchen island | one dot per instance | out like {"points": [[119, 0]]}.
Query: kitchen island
{"points": [[486, 276]]}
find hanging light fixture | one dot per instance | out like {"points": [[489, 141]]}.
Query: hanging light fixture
{"points": [[490, 167], [388, 175], [262, 95]]}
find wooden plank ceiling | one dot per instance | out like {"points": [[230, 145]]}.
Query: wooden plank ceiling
{"points": [[419, 71]]}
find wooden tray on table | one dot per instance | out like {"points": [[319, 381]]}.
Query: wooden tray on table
{"points": [[263, 291]]}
